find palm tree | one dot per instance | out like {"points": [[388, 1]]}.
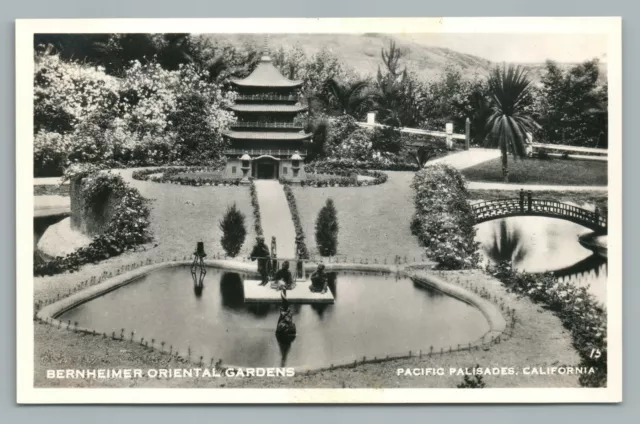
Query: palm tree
{"points": [[347, 96], [509, 122]]}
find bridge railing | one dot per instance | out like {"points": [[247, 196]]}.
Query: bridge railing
{"points": [[530, 206]]}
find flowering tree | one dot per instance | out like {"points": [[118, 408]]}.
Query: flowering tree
{"points": [[149, 116], [67, 92]]}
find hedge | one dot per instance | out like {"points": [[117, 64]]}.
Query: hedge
{"points": [[444, 220], [257, 219], [303, 251]]}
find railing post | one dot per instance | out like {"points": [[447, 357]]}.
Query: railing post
{"points": [[467, 133], [529, 200], [521, 200]]}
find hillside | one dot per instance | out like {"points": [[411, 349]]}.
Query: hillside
{"points": [[362, 52]]}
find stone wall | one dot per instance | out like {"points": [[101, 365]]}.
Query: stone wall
{"points": [[91, 221]]}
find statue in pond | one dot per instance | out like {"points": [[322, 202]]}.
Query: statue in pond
{"points": [[261, 253], [284, 275], [319, 280], [286, 328]]}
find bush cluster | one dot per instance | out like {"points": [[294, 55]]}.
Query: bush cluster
{"points": [[303, 251], [444, 221], [578, 310], [257, 219], [127, 228]]}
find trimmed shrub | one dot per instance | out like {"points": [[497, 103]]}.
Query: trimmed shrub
{"points": [[327, 229], [444, 221], [233, 231]]}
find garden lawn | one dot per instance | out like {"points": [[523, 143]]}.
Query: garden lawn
{"points": [[180, 217], [374, 221], [542, 171]]}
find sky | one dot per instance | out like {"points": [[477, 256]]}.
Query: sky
{"points": [[568, 48]]}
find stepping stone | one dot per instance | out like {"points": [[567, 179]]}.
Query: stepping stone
{"points": [[255, 293]]}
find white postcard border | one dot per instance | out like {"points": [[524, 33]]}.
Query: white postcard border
{"points": [[25, 29]]}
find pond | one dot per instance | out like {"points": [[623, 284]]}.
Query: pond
{"points": [[373, 315], [539, 244]]}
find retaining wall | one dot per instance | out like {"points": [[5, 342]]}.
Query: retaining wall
{"points": [[91, 221]]}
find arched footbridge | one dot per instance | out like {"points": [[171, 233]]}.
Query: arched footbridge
{"points": [[526, 205]]}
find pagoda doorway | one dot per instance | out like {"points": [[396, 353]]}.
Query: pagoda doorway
{"points": [[266, 168]]}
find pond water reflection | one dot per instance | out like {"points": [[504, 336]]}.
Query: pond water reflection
{"points": [[539, 244], [373, 315]]}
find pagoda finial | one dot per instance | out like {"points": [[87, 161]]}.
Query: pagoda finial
{"points": [[265, 49]]}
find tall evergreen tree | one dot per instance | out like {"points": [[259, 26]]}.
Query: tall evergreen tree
{"points": [[234, 231], [327, 229]]}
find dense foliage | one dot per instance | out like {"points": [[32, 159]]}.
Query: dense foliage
{"points": [[234, 231], [572, 105], [579, 311], [443, 220], [147, 116], [327, 228], [127, 228]]}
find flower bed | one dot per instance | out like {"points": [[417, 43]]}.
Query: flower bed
{"points": [[578, 310], [444, 221], [303, 251], [257, 219], [320, 176], [127, 228], [202, 176], [330, 165]]}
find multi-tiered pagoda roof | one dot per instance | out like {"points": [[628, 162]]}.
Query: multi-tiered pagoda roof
{"points": [[266, 108]]}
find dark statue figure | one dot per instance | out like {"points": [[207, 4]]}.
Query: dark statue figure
{"points": [[198, 265], [261, 253], [284, 275], [319, 280], [286, 329]]}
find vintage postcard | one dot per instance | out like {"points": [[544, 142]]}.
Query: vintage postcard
{"points": [[411, 210]]}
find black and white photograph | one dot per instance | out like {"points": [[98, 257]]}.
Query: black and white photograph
{"points": [[358, 206]]}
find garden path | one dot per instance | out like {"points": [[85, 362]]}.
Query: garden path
{"points": [[467, 158], [478, 185], [472, 157], [48, 181], [276, 217], [51, 205]]}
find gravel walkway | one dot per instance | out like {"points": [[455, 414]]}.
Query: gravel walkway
{"points": [[276, 217]]}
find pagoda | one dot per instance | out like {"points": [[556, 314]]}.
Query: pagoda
{"points": [[266, 142]]}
